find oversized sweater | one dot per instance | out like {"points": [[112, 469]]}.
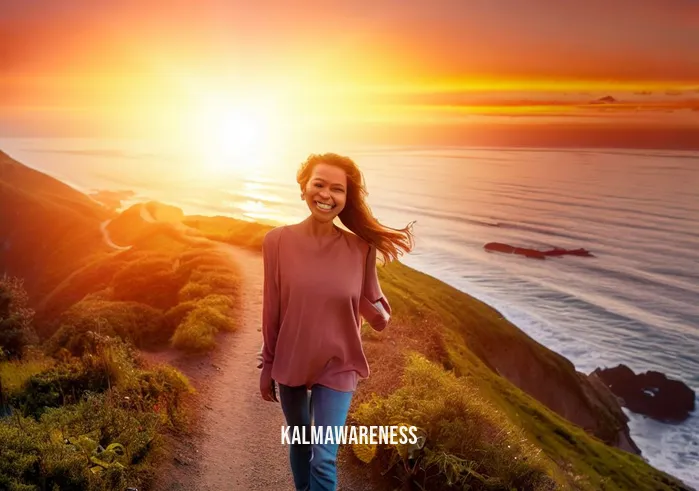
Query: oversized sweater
{"points": [[316, 290]]}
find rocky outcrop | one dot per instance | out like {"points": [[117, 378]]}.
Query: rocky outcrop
{"points": [[533, 253], [604, 100], [553, 380], [574, 396], [651, 393]]}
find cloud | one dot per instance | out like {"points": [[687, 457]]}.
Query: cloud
{"points": [[502, 38]]}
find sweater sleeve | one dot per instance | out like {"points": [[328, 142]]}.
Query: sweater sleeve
{"points": [[270, 299], [373, 300]]}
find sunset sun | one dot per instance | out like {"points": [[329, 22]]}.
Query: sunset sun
{"points": [[234, 136]]}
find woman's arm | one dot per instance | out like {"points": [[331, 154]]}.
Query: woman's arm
{"points": [[270, 299], [373, 305]]}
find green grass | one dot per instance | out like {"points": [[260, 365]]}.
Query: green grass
{"points": [[14, 374]]}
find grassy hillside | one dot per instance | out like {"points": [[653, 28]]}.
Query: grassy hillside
{"points": [[46, 227], [165, 291], [435, 367], [78, 408]]}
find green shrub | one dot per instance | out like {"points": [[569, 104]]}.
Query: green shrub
{"points": [[161, 390], [197, 332], [62, 384], [178, 313], [211, 271], [219, 282], [469, 444], [131, 321], [91, 423], [91, 445], [16, 318], [14, 374], [94, 276], [207, 260], [151, 281], [195, 291]]}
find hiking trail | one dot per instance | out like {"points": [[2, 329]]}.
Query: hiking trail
{"points": [[236, 440]]}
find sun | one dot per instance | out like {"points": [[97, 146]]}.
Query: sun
{"points": [[233, 137], [238, 131]]}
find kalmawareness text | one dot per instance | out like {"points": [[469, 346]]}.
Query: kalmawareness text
{"points": [[341, 435]]}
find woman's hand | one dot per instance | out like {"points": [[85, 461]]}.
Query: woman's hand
{"points": [[268, 387], [384, 313], [260, 361]]}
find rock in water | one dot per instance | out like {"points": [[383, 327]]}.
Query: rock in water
{"points": [[650, 393], [533, 253]]}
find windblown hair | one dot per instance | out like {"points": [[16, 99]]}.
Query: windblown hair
{"points": [[357, 215]]}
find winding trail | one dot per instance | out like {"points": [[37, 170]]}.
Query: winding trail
{"points": [[107, 238], [235, 439]]}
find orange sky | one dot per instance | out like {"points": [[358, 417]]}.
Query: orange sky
{"points": [[136, 68]]}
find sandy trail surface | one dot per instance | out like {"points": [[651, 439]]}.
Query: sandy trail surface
{"points": [[236, 439]]}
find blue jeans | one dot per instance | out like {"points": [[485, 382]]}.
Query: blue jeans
{"points": [[313, 466]]}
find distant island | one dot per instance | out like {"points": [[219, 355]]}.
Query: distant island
{"points": [[534, 253], [605, 100]]}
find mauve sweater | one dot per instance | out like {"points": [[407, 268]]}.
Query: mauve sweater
{"points": [[315, 290]]}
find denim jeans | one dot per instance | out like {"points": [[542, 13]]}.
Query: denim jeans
{"points": [[314, 466]]}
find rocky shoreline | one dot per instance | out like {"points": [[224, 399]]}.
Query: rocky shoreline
{"points": [[651, 394]]}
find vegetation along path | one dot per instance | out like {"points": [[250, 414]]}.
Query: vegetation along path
{"points": [[235, 442]]}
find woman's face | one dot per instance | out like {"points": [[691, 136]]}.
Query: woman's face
{"points": [[326, 192]]}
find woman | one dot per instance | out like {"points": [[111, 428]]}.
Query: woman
{"points": [[319, 279]]}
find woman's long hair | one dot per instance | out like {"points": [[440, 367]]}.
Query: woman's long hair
{"points": [[357, 215]]}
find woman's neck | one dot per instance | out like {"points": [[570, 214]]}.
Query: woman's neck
{"points": [[318, 229]]}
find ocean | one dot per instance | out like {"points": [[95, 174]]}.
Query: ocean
{"points": [[635, 302]]}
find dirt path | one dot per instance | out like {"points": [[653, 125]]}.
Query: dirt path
{"points": [[236, 443], [107, 239]]}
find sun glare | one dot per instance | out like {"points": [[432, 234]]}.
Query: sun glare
{"points": [[235, 137]]}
